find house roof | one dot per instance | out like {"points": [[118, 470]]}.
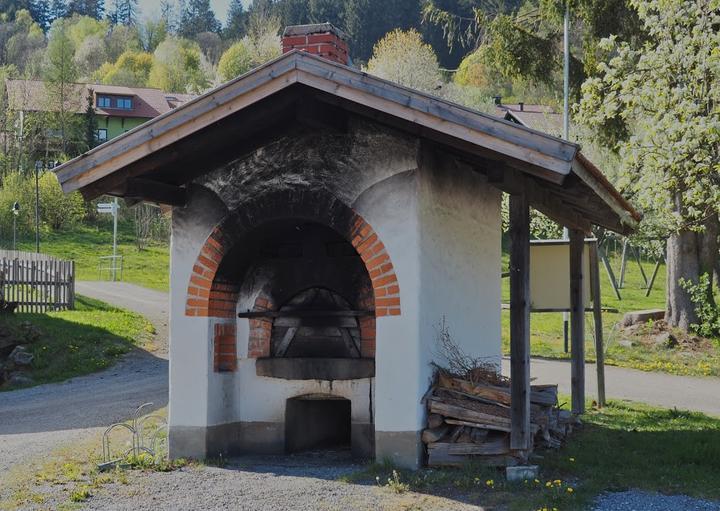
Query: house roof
{"points": [[538, 117], [168, 151], [34, 96]]}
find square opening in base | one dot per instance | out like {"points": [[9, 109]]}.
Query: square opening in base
{"points": [[313, 423]]}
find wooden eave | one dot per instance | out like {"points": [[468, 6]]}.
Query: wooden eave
{"points": [[142, 153]]}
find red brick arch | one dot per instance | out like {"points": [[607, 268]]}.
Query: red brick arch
{"points": [[210, 296]]}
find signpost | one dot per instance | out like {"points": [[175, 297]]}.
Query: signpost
{"points": [[111, 208]]}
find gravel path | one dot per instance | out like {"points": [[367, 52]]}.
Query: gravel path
{"points": [[37, 420], [300, 483], [635, 500]]}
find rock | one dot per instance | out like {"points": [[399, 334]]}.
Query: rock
{"points": [[635, 317], [19, 380], [21, 357], [665, 340], [625, 343]]}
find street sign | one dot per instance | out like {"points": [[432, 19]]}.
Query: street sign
{"points": [[107, 207]]}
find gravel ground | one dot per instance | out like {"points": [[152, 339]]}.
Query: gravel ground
{"points": [[298, 483], [37, 420], [635, 500]]}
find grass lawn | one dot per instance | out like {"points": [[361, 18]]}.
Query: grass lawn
{"points": [[71, 343], [86, 243], [622, 446], [546, 329]]}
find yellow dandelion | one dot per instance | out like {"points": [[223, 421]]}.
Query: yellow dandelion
{"points": [[572, 459], [490, 483], [570, 490]]}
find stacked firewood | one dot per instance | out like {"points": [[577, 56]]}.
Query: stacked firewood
{"points": [[469, 418]]}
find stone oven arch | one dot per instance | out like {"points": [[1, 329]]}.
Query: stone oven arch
{"points": [[209, 295]]}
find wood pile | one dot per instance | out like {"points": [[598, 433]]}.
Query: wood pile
{"points": [[470, 419]]}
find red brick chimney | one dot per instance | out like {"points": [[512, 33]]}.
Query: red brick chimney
{"points": [[323, 39]]}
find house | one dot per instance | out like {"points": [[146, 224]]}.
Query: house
{"points": [[117, 109], [324, 221], [538, 117]]}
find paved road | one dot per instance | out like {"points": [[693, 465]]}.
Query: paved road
{"points": [[666, 390], [37, 420]]}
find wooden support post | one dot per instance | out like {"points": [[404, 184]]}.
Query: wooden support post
{"points": [[652, 279], [623, 263], [520, 435], [611, 274], [597, 316], [577, 321]]}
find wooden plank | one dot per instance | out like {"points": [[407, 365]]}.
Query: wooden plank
{"points": [[577, 321], [487, 448], [597, 317], [154, 191], [285, 342], [481, 420], [520, 322], [307, 314]]}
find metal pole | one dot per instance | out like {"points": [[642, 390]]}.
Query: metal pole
{"points": [[566, 73], [37, 209], [14, 231], [115, 222], [566, 128]]}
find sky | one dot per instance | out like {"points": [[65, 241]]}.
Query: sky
{"points": [[151, 8]]}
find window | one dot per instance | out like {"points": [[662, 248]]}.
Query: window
{"points": [[103, 102], [124, 103], [101, 135]]}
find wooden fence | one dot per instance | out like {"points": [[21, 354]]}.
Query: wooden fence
{"points": [[36, 282]]}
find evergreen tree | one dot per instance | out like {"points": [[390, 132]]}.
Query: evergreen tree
{"points": [[235, 27], [93, 8], [91, 124], [198, 17], [321, 11], [58, 9], [124, 12], [60, 75], [41, 13]]}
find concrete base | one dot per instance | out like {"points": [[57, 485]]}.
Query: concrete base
{"points": [[522, 473], [241, 438], [187, 442], [403, 448]]}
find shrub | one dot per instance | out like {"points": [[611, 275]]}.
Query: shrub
{"points": [[707, 312]]}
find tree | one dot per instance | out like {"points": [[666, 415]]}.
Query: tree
{"points": [[152, 33], [524, 39], [235, 61], [657, 105], [404, 58], [41, 12], [91, 124], [198, 17], [93, 8], [58, 9], [132, 69], [178, 66], [60, 75], [236, 21], [124, 12]]}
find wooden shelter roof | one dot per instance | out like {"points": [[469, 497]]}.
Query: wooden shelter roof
{"points": [[155, 160]]}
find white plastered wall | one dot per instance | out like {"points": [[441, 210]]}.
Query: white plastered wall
{"points": [[460, 262], [190, 349]]}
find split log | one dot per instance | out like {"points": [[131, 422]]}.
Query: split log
{"points": [[435, 421], [494, 447], [434, 434]]}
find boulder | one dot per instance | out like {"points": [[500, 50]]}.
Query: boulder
{"points": [[19, 380], [665, 340], [636, 317], [21, 357]]}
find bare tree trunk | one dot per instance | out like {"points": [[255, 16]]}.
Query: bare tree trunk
{"points": [[682, 263], [708, 252]]}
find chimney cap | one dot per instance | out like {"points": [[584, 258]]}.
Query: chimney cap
{"points": [[314, 28]]}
